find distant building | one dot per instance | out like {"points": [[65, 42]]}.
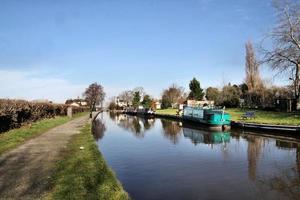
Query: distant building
{"points": [[76, 102], [157, 105], [194, 103], [140, 107], [120, 103], [83, 103]]}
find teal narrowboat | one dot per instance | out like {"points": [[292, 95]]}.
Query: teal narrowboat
{"points": [[214, 118]]}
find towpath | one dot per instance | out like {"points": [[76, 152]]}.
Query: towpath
{"points": [[25, 172]]}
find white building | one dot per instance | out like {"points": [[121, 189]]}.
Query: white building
{"points": [[120, 102]]}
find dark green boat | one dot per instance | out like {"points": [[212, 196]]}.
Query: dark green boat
{"points": [[214, 118]]}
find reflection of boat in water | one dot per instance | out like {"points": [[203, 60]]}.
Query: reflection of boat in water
{"points": [[214, 118], [201, 136]]}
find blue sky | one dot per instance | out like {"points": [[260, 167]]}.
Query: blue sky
{"points": [[54, 49]]}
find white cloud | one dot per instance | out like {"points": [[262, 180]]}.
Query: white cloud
{"points": [[29, 85]]}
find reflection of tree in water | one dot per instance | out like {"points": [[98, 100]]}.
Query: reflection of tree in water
{"points": [[287, 181], [98, 129], [113, 115], [141, 126], [148, 123], [291, 145], [138, 126], [254, 150], [172, 130], [236, 134]]}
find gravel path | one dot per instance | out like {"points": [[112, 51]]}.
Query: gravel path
{"points": [[25, 172]]}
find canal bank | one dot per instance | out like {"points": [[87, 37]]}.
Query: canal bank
{"points": [[59, 163], [82, 173], [266, 127]]}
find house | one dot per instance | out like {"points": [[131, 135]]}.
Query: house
{"points": [[120, 103], [76, 102], [194, 103], [83, 103], [157, 105]]}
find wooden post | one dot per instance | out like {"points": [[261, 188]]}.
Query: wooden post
{"points": [[69, 112]]}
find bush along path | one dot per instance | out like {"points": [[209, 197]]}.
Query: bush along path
{"points": [[26, 171], [15, 113]]}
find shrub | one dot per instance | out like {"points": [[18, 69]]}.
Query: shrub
{"points": [[15, 113]]}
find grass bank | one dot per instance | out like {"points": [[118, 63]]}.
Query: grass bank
{"points": [[262, 117], [84, 174], [169, 111], [15, 137], [266, 117]]}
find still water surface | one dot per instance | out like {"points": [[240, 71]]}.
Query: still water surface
{"points": [[163, 159]]}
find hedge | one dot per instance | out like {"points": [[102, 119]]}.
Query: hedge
{"points": [[15, 113]]}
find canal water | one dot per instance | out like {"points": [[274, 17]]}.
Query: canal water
{"points": [[164, 159]]}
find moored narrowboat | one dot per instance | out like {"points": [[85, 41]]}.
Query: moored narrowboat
{"points": [[212, 117], [145, 112], [142, 112]]}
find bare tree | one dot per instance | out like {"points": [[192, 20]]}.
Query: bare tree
{"points": [[253, 79], [94, 95], [127, 97], [284, 55], [173, 94]]}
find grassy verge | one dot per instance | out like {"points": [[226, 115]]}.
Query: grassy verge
{"points": [[266, 117], [169, 111], [262, 117], [15, 137], [83, 174]]}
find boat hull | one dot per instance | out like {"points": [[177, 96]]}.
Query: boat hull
{"points": [[209, 125], [215, 119]]}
